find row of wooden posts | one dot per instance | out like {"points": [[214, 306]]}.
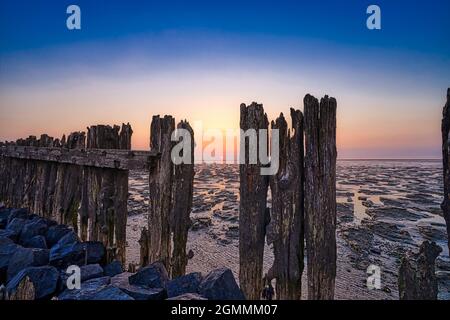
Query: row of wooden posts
{"points": [[85, 184]]}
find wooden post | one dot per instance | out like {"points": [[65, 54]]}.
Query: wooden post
{"points": [[417, 279], [125, 137], [320, 195], [252, 206], [445, 127], [183, 186], [287, 217], [160, 190]]}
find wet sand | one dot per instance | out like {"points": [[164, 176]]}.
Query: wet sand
{"points": [[384, 209]]}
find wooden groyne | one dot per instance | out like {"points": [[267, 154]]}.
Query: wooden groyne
{"points": [[445, 128], [287, 214], [86, 188], [171, 192], [320, 195], [303, 202], [253, 212]]}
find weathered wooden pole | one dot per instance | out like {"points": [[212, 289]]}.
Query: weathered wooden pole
{"points": [[287, 216], [160, 190], [253, 196], [320, 195], [417, 279], [183, 186], [445, 127]]}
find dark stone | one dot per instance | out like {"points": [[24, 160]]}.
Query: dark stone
{"points": [[91, 271], [111, 293], [26, 257], [55, 233], [188, 296], [153, 276], [45, 281], [95, 289], [36, 242], [4, 215], [7, 249], [185, 284], [10, 234], [77, 253], [114, 268], [16, 225], [143, 293], [35, 227], [18, 213], [220, 284], [87, 290]]}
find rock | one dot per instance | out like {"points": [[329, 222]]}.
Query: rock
{"points": [[185, 284], [417, 279], [63, 255], [91, 271], [3, 293], [114, 268], [188, 296], [7, 249], [110, 293], [36, 242], [26, 257], [10, 234], [44, 279], [153, 276], [95, 289], [55, 233], [35, 227], [220, 284], [121, 279], [87, 290], [143, 293], [18, 213], [4, 215], [16, 225]]}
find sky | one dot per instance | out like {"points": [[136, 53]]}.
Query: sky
{"points": [[199, 60]]}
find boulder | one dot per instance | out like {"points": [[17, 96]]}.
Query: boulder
{"points": [[95, 289], [44, 279], [188, 296], [16, 225], [55, 233], [152, 276], [35, 227], [18, 213], [69, 251], [137, 292], [10, 234], [111, 293], [114, 268], [24, 258], [4, 215], [220, 284], [185, 284], [143, 293], [121, 279], [7, 249], [36, 242], [90, 252], [91, 271]]}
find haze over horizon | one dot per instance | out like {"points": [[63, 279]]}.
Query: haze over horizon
{"points": [[199, 60]]}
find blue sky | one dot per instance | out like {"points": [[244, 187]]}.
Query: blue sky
{"points": [[134, 59]]}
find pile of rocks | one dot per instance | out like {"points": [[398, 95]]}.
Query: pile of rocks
{"points": [[36, 252]]}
